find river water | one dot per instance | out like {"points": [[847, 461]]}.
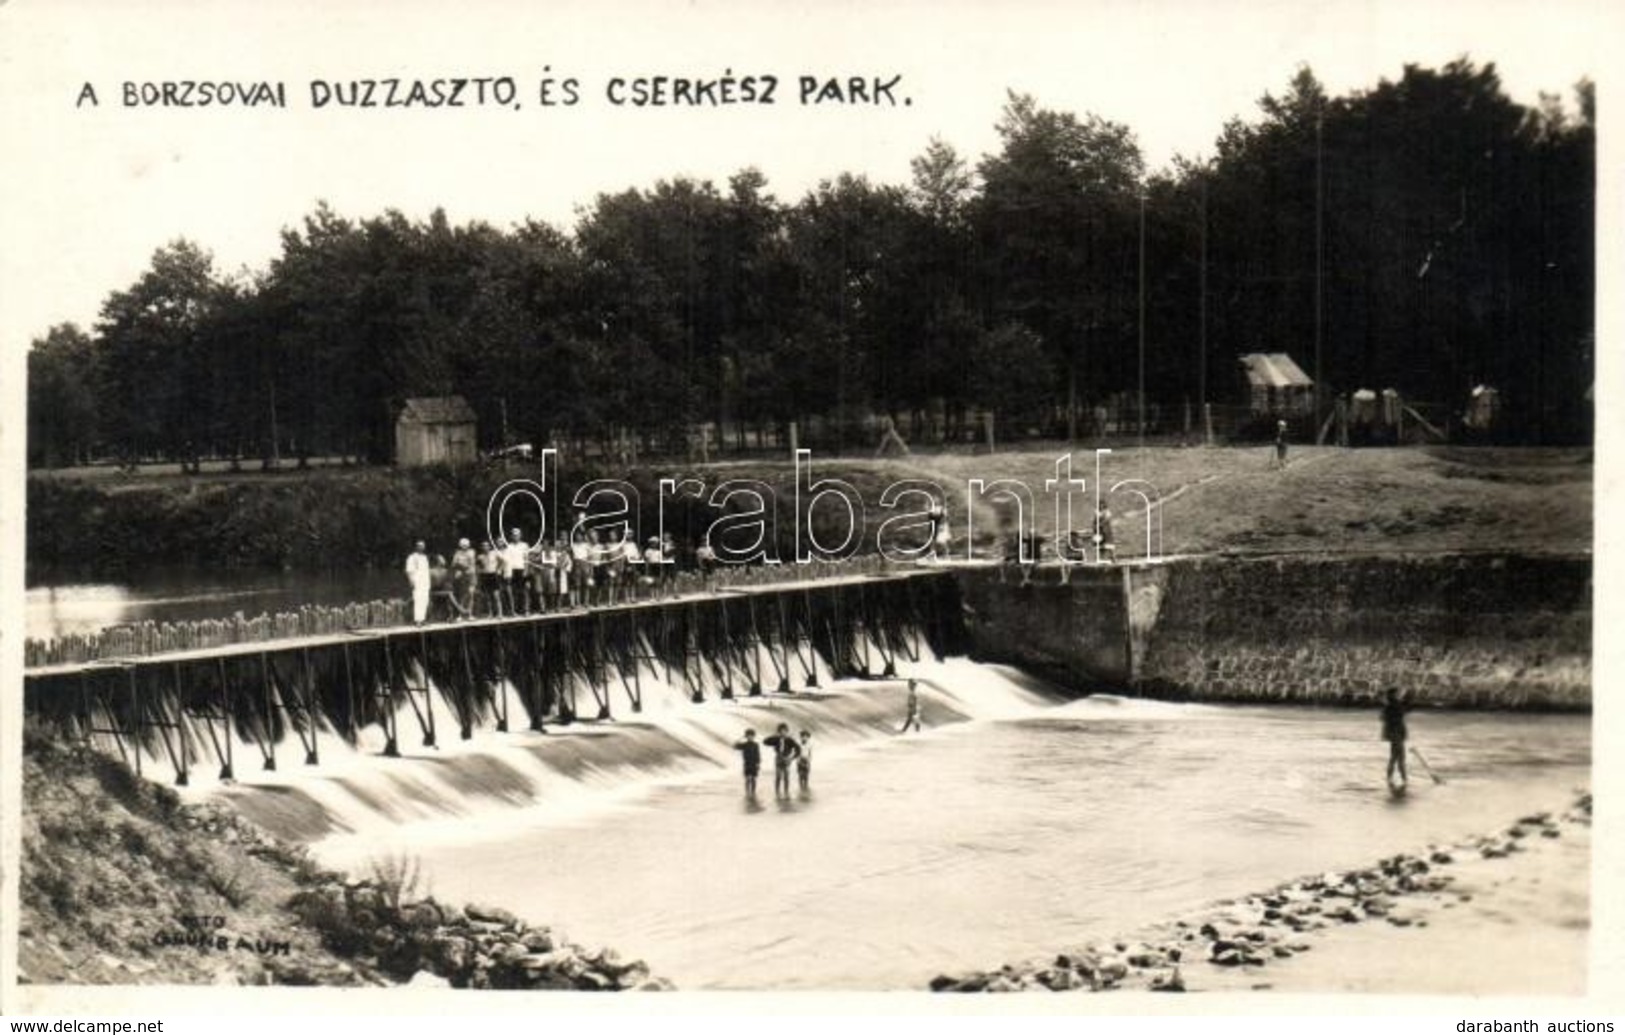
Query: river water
{"points": [[1028, 827], [175, 595], [1018, 824]]}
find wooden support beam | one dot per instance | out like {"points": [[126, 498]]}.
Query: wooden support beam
{"points": [[226, 770], [268, 746], [392, 748], [307, 734]]}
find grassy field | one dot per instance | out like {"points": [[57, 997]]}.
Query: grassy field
{"points": [[1325, 499], [1214, 500]]}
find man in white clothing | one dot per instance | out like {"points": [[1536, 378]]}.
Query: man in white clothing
{"points": [[417, 573], [513, 566]]}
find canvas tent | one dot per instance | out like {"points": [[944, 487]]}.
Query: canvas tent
{"points": [[1276, 385]]}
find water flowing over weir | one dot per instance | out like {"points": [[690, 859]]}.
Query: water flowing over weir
{"points": [[176, 712]]}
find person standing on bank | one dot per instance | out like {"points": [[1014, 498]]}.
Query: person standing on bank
{"points": [[913, 716], [1395, 733], [1280, 443], [785, 751], [1105, 537], [417, 575]]}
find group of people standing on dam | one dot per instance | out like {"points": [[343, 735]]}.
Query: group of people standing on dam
{"points": [[511, 577]]}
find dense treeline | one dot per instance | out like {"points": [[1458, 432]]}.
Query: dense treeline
{"points": [[1451, 228]]}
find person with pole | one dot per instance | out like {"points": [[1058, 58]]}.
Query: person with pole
{"points": [[1395, 733]]}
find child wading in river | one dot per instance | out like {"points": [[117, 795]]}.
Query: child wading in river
{"points": [[785, 751], [752, 753], [804, 762], [913, 716]]}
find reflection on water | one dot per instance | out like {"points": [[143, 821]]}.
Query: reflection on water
{"points": [[87, 607], [992, 841]]}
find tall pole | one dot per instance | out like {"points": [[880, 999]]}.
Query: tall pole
{"points": [[1142, 321], [1318, 241], [1201, 313]]}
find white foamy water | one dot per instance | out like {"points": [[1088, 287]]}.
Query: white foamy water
{"points": [[1016, 825], [478, 788]]}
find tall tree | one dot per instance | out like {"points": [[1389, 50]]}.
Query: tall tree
{"points": [[157, 370], [1057, 227], [64, 423]]}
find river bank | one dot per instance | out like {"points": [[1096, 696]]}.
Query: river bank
{"points": [[122, 883], [1507, 911]]}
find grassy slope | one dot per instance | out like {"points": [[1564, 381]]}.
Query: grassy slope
{"points": [[109, 861], [116, 874], [1379, 500]]}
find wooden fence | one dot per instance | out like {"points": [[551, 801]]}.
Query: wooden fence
{"points": [[142, 638]]}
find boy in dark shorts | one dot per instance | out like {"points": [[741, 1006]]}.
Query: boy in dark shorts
{"points": [[752, 753], [785, 751], [804, 763], [1394, 732]]}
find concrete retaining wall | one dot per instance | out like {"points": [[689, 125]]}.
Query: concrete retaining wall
{"points": [[1463, 630]]}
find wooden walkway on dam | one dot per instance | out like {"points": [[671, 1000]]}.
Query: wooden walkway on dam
{"points": [[193, 704]]}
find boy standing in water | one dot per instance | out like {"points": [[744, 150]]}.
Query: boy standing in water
{"points": [[1394, 732], [913, 716], [785, 751], [804, 762], [752, 753]]}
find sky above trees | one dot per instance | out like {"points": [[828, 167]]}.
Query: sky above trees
{"points": [[89, 194]]}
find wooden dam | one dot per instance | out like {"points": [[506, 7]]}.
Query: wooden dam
{"points": [[193, 706]]}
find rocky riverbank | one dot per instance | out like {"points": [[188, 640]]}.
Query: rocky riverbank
{"points": [[1244, 943], [430, 944], [121, 883]]}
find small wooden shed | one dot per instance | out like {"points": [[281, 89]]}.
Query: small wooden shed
{"points": [[435, 430]]}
